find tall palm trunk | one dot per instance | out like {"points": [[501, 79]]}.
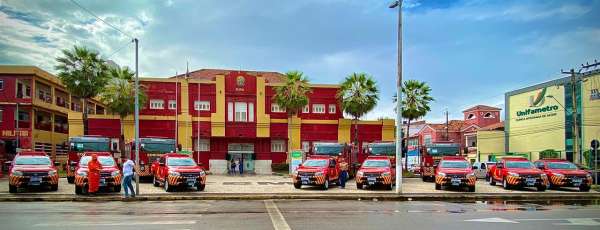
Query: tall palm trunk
{"points": [[122, 140], [85, 118], [407, 137]]}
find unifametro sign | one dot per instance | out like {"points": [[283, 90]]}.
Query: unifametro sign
{"points": [[537, 108]]}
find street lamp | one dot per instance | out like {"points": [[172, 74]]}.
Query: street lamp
{"points": [[398, 4], [550, 96]]}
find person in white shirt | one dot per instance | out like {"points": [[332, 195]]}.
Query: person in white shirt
{"points": [[127, 177]]}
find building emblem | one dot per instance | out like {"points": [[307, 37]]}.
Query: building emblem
{"points": [[538, 99], [594, 94], [240, 81]]}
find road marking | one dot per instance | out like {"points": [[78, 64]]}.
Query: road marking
{"points": [[277, 218], [57, 224], [493, 220], [572, 221]]}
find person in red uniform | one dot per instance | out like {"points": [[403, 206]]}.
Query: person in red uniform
{"points": [[94, 168]]}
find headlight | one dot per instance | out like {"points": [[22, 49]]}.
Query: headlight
{"points": [[82, 173], [359, 174], [17, 173], [589, 175], [202, 173], [295, 173], [51, 172], [558, 175], [115, 173], [171, 173], [471, 175], [385, 174], [543, 176], [441, 174], [319, 174], [513, 174]]}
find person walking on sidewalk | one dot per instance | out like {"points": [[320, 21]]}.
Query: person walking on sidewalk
{"points": [[94, 168], [343, 174], [127, 177], [232, 167], [241, 166]]}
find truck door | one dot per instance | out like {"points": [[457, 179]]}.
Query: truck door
{"points": [[333, 169]]}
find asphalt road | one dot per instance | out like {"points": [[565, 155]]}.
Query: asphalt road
{"points": [[300, 214]]}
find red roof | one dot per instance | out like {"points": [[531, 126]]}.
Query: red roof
{"points": [[495, 126], [209, 74], [481, 107], [453, 125]]}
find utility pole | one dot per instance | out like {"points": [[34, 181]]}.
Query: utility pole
{"points": [[574, 126], [17, 133], [399, 147], [176, 113], [447, 137], [137, 119]]}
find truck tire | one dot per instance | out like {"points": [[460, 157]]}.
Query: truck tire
{"points": [[71, 179], [326, 184], [438, 186], [471, 188], [424, 178], [12, 189], [505, 184], [200, 187], [492, 182], [359, 186], [54, 187], [541, 188], [117, 188], [167, 187], [389, 187], [297, 185], [584, 188], [155, 182]]}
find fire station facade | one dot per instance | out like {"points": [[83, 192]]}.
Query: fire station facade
{"points": [[220, 115]]}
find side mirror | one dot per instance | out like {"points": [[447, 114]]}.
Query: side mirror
{"points": [[473, 167], [500, 166], [200, 164], [161, 164], [73, 163], [541, 167]]}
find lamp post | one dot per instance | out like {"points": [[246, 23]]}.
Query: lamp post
{"points": [[564, 108], [398, 4], [137, 119]]}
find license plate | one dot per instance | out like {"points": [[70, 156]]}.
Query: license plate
{"points": [[455, 181], [190, 183], [530, 181], [102, 181], [371, 180], [35, 180], [305, 180], [577, 181]]}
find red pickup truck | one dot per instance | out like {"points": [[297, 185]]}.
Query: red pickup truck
{"points": [[455, 172], [316, 170], [110, 175], [518, 172], [32, 169], [376, 170], [563, 173], [173, 170]]}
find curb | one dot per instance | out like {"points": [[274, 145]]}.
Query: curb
{"points": [[294, 196]]}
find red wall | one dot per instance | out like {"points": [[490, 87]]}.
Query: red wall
{"points": [[278, 131], [157, 128], [104, 127], [207, 93], [164, 91], [319, 132]]}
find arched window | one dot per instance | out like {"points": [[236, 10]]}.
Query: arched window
{"points": [[488, 115], [470, 116]]}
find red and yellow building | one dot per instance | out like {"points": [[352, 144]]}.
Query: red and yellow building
{"points": [[225, 114]]}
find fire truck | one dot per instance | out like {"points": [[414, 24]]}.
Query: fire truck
{"points": [[78, 146], [431, 154], [380, 149], [339, 152], [151, 149]]}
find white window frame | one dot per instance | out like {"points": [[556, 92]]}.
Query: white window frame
{"points": [[230, 111], [157, 104], [1, 84], [202, 146], [250, 112], [172, 104], [306, 146], [427, 137], [278, 146], [275, 108], [318, 108], [241, 112], [306, 109], [2, 114], [331, 108], [202, 105]]}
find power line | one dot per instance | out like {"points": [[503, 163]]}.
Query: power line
{"points": [[118, 50], [102, 20]]}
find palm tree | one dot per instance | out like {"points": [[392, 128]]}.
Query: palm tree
{"points": [[84, 74], [119, 96], [415, 103], [292, 96], [358, 95]]}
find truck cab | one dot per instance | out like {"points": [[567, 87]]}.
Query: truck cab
{"points": [[376, 170], [454, 172], [387, 149], [110, 175], [316, 171], [431, 154], [173, 170], [563, 173], [341, 153], [517, 172], [32, 169], [78, 146], [151, 149]]}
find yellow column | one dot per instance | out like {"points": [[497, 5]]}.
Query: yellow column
{"points": [[294, 124], [388, 130], [184, 135], [344, 126], [217, 119], [75, 124], [263, 120]]}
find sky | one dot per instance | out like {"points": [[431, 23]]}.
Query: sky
{"points": [[469, 51]]}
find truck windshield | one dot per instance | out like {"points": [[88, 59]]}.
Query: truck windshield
{"points": [[376, 164], [180, 161], [328, 150], [562, 165], [454, 164], [104, 160], [153, 147], [90, 146], [382, 150], [519, 164], [32, 161], [315, 163]]}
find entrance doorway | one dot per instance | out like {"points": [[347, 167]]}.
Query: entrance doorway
{"points": [[242, 152]]}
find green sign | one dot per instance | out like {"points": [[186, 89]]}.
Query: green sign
{"points": [[186, 152]]}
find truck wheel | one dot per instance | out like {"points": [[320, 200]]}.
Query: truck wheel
{"points": [[326, 184], [12, 189], [71, 179], [117, 188], [541, 188], [54, 187], [155, 182], [505, 184], [77, 190], [584, 188], [167, 187], [438, 186], [389, 187], [424, 178], [359, 186], [471, 188], [492, 182], [297, 185], [200, 187]]}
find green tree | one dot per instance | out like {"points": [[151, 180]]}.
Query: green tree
{"points": [[358, 95], [549, 153], [119, 96], [292, 96], [84, 74], [415, 103]]}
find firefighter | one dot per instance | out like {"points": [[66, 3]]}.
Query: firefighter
{"points": [[94, 168], [343, 174]]}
